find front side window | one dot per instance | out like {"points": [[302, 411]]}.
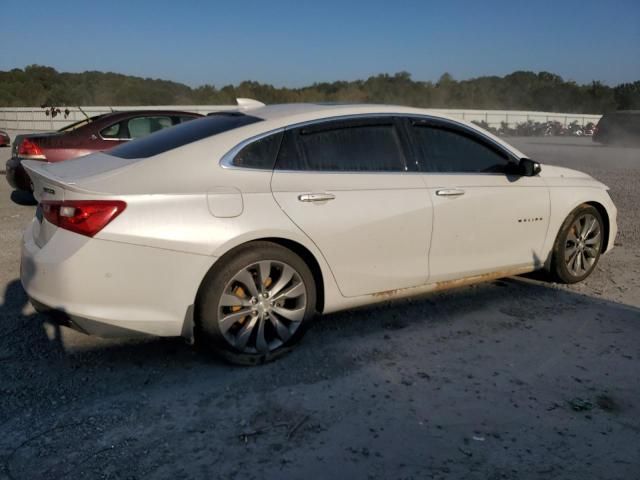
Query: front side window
{"points": [[358, 146], [143, 126], [446, 150]]}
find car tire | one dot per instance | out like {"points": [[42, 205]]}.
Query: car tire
{"points": [[275, 293], [578, 245]]}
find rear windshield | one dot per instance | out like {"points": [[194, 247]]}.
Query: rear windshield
{"points": [[81, 123], [174, 137]]}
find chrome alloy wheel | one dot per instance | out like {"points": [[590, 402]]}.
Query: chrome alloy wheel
{"points": [[582, 245], [262, 306]]}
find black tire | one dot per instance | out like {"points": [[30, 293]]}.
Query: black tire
{"points": [[219, 280], [561, 267]]}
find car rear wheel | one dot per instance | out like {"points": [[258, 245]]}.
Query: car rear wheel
{"points": [[578, 245], [256, 305]]}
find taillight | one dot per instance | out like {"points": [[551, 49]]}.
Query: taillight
{"points": [[30, 149], [86, 217]]}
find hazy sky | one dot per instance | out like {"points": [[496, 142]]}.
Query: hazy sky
{"points": [[294, 43]]}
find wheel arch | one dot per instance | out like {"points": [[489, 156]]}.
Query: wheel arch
{"points": [[602, 210], [296, 247], [605, 219]]}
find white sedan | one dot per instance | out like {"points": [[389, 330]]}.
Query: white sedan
{"points": [[237, 229]]}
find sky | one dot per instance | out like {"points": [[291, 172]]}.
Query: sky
{"points": [[296, 43]]}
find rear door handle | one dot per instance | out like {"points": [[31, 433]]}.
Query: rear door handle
{"points": [[316, 197], [450, 192]]}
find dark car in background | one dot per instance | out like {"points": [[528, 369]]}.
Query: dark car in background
{"points": [[5, 140], [619, 128], [92, 134]]}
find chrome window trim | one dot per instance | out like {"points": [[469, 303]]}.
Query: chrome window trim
{"points": [[108, 139], [226, 161]]}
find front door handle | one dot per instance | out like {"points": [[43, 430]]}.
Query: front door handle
{"points": [[450, 192], [316, 197]]}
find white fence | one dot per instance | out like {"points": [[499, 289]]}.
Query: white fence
{"points": [[513, 117], [34, 119]]}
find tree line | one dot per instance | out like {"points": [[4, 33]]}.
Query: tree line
{"points": [[37, 85]]}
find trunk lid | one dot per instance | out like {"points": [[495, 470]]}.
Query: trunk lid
{"points": [[17, 140], [68, 180], [45, 187]]}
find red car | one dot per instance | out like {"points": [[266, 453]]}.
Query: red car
{"points": [[5, 141], [101, 132]]}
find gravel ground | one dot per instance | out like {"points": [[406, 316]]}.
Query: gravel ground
{"points": [[512, 379]]}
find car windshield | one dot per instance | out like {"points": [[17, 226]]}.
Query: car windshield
{"points": [[182, 134], [80, 123]]}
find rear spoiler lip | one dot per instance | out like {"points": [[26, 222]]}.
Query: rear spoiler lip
{"points": [[38, 175]]}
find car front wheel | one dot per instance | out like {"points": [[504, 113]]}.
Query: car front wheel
{"points": [[257, 304], [578, 245]]}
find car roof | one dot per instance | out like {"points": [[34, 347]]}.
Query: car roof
{"points": [[283, 115], [294, 111]]}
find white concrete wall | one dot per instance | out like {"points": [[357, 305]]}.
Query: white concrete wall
{"points": [[34, 119]]}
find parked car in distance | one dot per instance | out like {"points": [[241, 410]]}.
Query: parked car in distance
{"points": [[272, 215], [5, 139], [93, 134], [619, 128]]}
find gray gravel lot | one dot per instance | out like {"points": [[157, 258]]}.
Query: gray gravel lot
{"points": [[513, 379]]}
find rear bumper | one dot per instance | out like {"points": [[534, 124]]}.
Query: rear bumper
{"points": [[82, 325], [111, 288], [16, 175]]}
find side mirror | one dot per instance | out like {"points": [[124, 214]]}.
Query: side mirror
{"points": [[529, 168]]}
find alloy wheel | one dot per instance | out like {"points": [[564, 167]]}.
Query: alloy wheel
{"points": [[262, 306], [583, 244]]}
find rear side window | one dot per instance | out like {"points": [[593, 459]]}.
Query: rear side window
{"points": [[259, 154], [115, 131], [182, 134], [143, 126], [369, 146], [444, 150]]}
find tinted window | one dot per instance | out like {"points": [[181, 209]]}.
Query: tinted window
{"points": [[259, 154], [446, 150], [358, 147], [182, 134], [185, 119]]}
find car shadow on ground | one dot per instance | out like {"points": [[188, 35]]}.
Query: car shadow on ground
{"points": [[32, 336], [542, 341]]}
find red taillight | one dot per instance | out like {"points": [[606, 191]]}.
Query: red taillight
{"points": [[30, 149], [86, 217]]}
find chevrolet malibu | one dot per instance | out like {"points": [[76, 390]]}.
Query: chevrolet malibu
{"points": [[236, 229]]}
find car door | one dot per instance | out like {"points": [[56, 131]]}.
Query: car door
{"points": [[486, 216], [346, 184]]}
